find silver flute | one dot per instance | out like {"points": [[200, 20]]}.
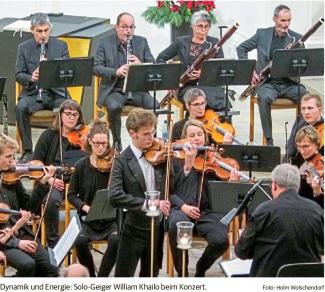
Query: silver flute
{"points": [[41, 57], [128, 54]]}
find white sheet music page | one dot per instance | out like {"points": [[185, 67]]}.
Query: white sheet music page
{"points": [[236, 267]]}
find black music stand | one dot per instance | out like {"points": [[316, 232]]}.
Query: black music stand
{"points": [[227, 72], [56, 73], [146, 77], [254, 158], [2, 86], [297, 63], [225, 197]]}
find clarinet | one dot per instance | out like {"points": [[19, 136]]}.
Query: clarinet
{"points": [[128, 54], [39, 97]]}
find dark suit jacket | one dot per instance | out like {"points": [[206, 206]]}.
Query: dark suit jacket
{"points": [[261, 41], [181, 47], [106, 61], [128, 186], [28, 59], [289, 229]]}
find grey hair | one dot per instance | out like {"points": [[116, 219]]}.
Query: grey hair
{"points": [[40, 19], [286, 176], [200, 15], [280, 8], [192, 94]]}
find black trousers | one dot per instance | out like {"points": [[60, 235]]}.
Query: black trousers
{"points": [[208, 226], [134, 245], [26, 106], [35, 264], [86, 259], [267, 93], [115, 101]]}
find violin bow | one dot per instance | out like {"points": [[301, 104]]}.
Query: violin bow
{"points": [[202, 179], [168, 161]]}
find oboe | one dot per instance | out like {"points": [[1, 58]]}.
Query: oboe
{"points": [[128, 54], [41, 57]]}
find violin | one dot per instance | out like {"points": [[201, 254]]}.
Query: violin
{"points": [[104, 164], [5, 213], [220, 166], [314, 167], [320, 129], [159, 149], [34, 169], [216, 128], [78, 137]]}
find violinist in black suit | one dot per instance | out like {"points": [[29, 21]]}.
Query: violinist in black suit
{"points": [[131, 176]]}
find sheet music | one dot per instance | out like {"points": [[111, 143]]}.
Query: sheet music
{"points": [[19, 25], [66, 241], [236, 267]]}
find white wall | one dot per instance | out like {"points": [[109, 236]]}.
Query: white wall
{"points": [[250, 15]]}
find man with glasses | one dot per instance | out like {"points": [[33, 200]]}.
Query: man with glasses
{"points": [[195, 102], [111, 64], [188, 49], [131, 176], [311, 114], [32, 99]]}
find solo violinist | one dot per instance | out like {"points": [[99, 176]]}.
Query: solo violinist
{"points": [[311, 114], [186, 205], [308, 143], [48, 150], [196, 102], [132, 175], [21, 251], [90, 176]]}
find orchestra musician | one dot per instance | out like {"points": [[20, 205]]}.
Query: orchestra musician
{"points": [[113, 57], [308, 143], [24, 254], [266, 41], [188, 48], [54, 146], [195, 102], [185, 205], [132, 175], [32, 98], [311, 114], [92, 174], [288, 229]]}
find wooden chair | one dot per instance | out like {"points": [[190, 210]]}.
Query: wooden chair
{"points": [[232, 238], [279, 103], [43, 117]]}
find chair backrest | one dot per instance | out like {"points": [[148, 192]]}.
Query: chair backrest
{"points": [[301, 270]]}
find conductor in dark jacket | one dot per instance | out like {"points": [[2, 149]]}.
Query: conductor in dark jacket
{"points": [[32, 98], [131, 176], [112, 65], [266, 41], [188, 49]]}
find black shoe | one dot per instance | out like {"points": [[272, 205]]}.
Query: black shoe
{"points": [[269, 141], [117, 146], [27, 156]]}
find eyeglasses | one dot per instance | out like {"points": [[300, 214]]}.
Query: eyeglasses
{"points": [[126, 27], [150, 134], [98, 144], [72, 115], [203, 27], [305, 146], [197, 105]]}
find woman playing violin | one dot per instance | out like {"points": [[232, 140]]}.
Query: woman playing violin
{"points": [[21, 251], [185, 205], [48, 151], [195, 102], [308, 143], [90, 175]]}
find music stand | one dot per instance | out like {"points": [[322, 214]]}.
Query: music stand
{"points": [[146, 77], [254, 158], [297, 63], [56, 73], [100, 208], [227, 72]]}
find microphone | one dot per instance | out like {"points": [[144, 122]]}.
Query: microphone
{"points": [[286, 135]]}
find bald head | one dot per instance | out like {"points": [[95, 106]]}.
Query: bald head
{"points": [[75, 270]]}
